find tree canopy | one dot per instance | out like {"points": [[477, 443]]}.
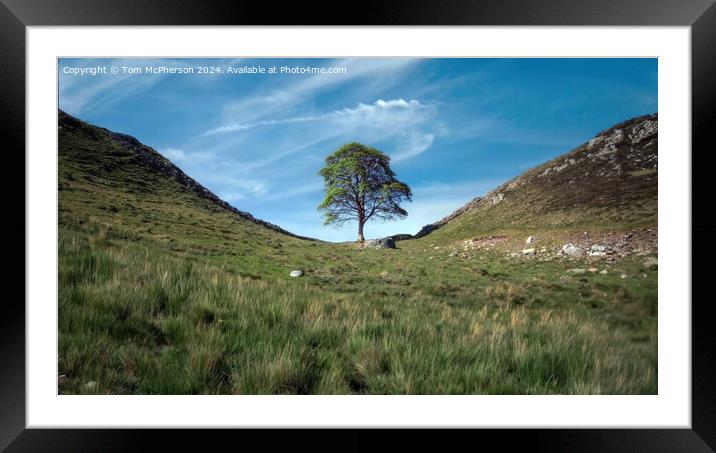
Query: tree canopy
{"points": [[360, 185]]}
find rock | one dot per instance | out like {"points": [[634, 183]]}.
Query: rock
{"points": [[296, 273], [453, 254], [543, 250], [604, 272], [401, 237], [528, 251], [576, 271], [382, 243], [529, 240], [427, 229], [592, 269], [384, 274], [61, 379], [650, 262], [624, 276], [571, 250], [599, 250], [91, 385]]}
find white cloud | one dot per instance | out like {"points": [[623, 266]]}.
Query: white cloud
{"points": [[243, 189], [417, 145], [175, 155], [394, 111], [190, 159], [379, 72]]}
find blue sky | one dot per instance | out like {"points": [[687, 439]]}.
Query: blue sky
{"points": [[455, 128]]}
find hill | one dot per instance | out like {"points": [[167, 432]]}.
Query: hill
{"points": [[165, 289], [610, 182], [120, 161]]}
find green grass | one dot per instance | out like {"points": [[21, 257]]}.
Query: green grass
{"points": [[137, 320], [163, 292]]}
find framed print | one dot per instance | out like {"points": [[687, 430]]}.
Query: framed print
{"points": [[373, 221]]}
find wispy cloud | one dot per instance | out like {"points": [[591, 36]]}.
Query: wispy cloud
{"points": [[294, 192], [242, 189], [193, 158], [175, 154], [285, 152], [80, 94], [394, 110], [417, 145], [377, 74]]}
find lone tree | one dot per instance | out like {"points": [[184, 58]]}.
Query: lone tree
{"points": [[360, 186]]}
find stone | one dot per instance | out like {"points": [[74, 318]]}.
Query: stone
{"points": [[382, 243], [571, 250], [296, 273], [598, 248], [604, 272], [576, 271], [593, 253], [91, 385], [592, 269], [529, 240], [650, 262], [528, 251], [453, 253], [624, 276], [401, 237]]}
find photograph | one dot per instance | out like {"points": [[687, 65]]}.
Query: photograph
{"points": [[357, 226]]}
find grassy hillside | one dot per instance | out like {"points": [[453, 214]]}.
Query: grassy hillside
{"points": [[610, 182], [164, 289]]}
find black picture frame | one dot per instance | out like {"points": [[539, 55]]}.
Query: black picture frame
{"points": [[16, 15]]}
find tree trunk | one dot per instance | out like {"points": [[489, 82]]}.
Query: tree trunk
{"points": [[360, 231]]}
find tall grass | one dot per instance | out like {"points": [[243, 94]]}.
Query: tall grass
{"points": [[133, 320]]}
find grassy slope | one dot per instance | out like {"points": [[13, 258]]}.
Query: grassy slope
{"points": [[162, 291], [610, 184]]}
